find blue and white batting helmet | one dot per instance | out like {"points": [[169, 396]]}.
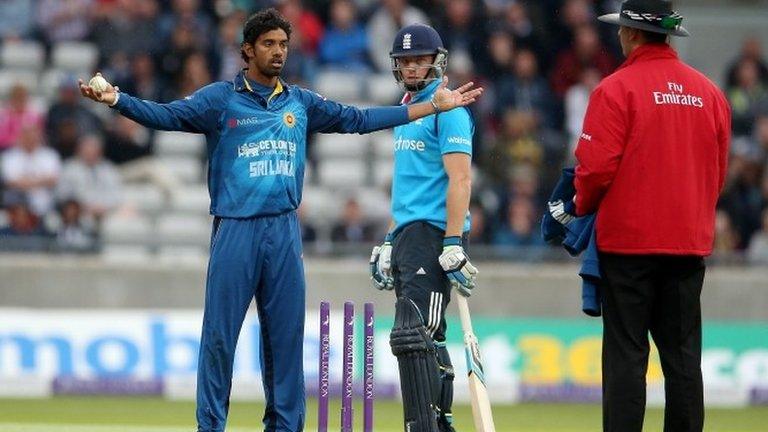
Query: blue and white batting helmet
{"points": [[418, 40]]}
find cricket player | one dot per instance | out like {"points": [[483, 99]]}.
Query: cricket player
{"points": [[256, 128], [423, 256]]}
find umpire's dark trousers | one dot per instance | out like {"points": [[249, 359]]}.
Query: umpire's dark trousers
{"points": [[660, 295]]}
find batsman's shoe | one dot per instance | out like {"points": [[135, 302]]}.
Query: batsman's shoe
{"points": [[381, 265], [455, 263]]}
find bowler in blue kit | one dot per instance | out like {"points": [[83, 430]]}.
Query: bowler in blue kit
{"points": [[256, 128], [423, 257]]}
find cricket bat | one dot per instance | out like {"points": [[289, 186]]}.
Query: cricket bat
{"points": [[481, 405]]}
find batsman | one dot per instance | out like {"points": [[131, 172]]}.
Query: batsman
{"points": [[423, 254]]}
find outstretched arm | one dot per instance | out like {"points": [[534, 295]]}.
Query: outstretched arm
{"points": [[196, 113], [331, 117]]}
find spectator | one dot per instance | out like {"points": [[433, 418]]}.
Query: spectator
{"points": [[353, 228], [16, 20], [726, 238], [345, 43], [33, 169], [68, 119], [576, 100], [750, 50], [15, 114], [90, 180], [757, 253], [194, 75], [74, 234], [308, 230], [479, 232], [586, 52], [24, 230], [123, 30], [501, 53], [129, 145], [518, 22], [307, 32], [463, 31], [126, 140], [527, 91], [512, 146], [226, 53], [187, 14], [520, 181], [171, 60], [307, 27], [64, 20], [144, 34], [519, 228], [741, 197], [384, 24], [144, 82], [573, 14], [747, 96], [760, 132]]}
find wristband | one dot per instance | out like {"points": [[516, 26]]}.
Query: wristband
{"points": [[434, 105], [452, 241], [388, 238]]}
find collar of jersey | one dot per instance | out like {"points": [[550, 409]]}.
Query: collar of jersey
{"points": [[242, 84], [425, 93]]}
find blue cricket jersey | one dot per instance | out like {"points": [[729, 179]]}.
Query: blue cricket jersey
{"points": [[256, 145], [420, 182]]}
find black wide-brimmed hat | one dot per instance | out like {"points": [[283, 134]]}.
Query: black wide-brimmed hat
{"points": [[650, 15]]}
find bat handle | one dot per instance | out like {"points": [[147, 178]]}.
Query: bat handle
{"points": [[466, 320]]}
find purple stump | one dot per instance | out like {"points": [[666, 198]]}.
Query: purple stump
{"points": [[348, 369], [323, 386], [368, 388]]}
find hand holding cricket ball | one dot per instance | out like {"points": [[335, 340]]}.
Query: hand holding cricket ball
{"points": [[99, 90]]}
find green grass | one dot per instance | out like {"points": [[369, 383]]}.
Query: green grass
{"points": [[105, 414]]}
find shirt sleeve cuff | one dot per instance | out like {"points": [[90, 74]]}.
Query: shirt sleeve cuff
{"points": [[117, 100]]}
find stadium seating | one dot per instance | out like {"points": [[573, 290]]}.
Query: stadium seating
{"points": [[122, 229], [27, 55], [11, 77], [336, 146], [179, 144], [75, 57], [180, 229], [340, 86]]}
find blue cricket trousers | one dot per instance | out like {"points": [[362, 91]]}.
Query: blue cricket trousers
{"points": [[258, 257]]}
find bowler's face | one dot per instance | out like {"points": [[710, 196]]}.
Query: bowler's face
{"points": [[270, 52]]}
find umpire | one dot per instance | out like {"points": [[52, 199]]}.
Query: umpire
{"points": [[651, 163]]}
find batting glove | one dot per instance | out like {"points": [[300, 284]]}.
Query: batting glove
{"points": [[381, 265], [562, 212], [455, 263]]}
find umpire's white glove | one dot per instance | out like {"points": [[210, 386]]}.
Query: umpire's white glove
{"points": [[455, 263], [381, 265]]}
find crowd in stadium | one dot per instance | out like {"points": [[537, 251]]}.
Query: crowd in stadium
{"points": [[538, 68]]}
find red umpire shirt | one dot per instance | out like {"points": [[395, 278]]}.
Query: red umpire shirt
{"points": [[652, 156]]}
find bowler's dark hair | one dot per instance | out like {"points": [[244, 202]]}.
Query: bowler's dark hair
{"points": [[260, 23]]}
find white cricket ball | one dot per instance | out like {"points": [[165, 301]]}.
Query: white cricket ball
{"points": [[98, 83]]}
